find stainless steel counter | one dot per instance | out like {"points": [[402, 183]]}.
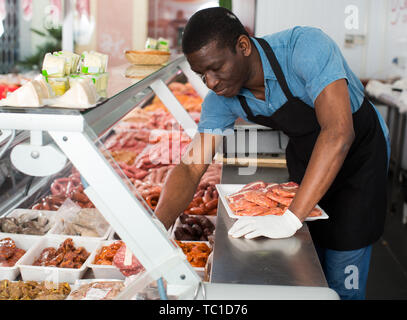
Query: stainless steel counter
{"points": [[290, 262]]}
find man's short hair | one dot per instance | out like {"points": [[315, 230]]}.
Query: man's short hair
{"points": [[210, 24]]}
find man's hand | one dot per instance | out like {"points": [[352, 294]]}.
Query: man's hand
{"points": [[274, 227]]}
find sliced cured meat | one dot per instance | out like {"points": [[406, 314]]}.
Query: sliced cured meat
{"points": [[277, 211], [282, 200], [260, 199], [289, 185], [252, 211], [254, 186], [237, 196], [270, 186], [279, 191], [241, 204]]}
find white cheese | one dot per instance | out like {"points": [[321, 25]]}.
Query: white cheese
{"points": [[54, 66], [81, 95], [25, 96]]}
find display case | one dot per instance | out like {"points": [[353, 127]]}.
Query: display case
{"points": [[59, 139]]}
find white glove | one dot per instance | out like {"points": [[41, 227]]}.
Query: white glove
{"points": [[274, 227]]}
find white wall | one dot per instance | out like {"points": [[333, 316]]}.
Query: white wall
{"points": [[369, 60]]}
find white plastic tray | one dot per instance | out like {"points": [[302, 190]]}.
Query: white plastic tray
{"points": [[80, 282], [41, 273], [200, 271], [51, 215], [228, 189], [24, 242], [104, 271]]}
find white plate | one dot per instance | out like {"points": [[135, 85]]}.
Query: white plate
{"points": [[228, 189]]}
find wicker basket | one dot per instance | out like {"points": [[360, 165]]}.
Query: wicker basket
{"points": [[141, 71], [147, 57]]}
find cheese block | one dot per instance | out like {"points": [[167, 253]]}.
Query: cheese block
{"points": [[29, 95], [71, 61], [53, 66], [91, 63], [81, 95], [105, 59], [43, 88]]}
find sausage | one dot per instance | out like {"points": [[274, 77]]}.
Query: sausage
{"points": [[207, 196], [212, 204], [213, 212], [200, 193], [187, 229], [197, 210], [197, 229], [191, 220]]}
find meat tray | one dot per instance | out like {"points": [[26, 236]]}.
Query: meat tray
{"points": [[201, 271], [104, 271], [43, 273], [22, 241], [51, 215], [227, 189], [178, 223], [78, 283], [57, 229]]}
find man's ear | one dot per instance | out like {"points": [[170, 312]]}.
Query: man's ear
{"points": [[244, 45]]}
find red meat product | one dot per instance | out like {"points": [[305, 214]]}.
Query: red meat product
{"points": [[119, 261], [255, 185], [260, 199]]}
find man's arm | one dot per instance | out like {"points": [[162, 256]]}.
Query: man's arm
{"points": [[183, 180], [333, 111]]}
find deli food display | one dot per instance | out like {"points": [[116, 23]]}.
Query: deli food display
{"points": [[65, 229]]}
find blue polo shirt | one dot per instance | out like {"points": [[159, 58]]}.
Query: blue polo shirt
{"points": [[309, 59]]}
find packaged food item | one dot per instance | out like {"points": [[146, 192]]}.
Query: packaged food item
{"points": [[93, 62], [81, 95], [127, 262], [77, 221], [163, 44], [97, 290], [66, 256], [151, 44], [34, 223], [9, 253], [59, 85], [32, 290], [71, 61], [54, 66]]}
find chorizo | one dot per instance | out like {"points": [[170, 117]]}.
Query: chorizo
{"points": [[211, 204]]}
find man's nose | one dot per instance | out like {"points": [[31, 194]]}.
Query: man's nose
{"points": [[211, 80]]}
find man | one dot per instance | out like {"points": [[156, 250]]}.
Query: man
{"points": [[296, 81]]}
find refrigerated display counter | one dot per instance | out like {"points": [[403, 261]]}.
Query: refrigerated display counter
{"points": [[62, 139]]}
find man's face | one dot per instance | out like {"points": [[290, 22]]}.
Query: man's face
{"points": [[224, 71]]}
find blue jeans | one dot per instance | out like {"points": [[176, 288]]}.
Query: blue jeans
{"points": [[346, 271]]}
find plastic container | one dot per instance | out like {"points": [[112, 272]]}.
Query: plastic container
{"points": [[24, 242], [104, 271], [200, 270], [96, 295], [59, 85], [57, 230], [51, 215], [54, 274]]}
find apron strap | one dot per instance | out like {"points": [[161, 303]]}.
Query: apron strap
{"points": [[276, 68]]}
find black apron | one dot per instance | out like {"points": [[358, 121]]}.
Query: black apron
{"points": [[356, 200]]}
